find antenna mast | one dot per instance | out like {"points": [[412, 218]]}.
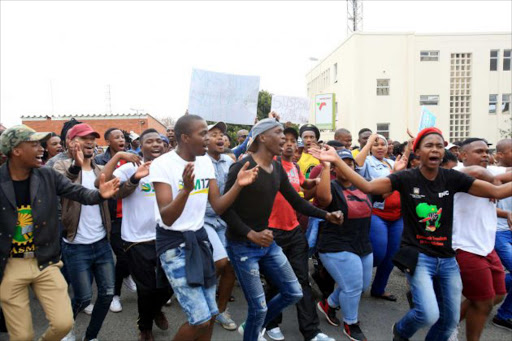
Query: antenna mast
{"points": [[354, 16]]}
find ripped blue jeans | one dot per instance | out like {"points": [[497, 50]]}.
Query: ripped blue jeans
{"points": [[248, 259]]}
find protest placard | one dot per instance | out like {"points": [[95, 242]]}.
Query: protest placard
{"points": [[291, 109], [224, 97], [427, 120]]}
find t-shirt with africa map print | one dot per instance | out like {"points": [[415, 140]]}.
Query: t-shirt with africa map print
{"points": [[23, 239], [427, 208]]}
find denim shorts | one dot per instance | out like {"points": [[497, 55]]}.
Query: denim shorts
{"points": [[198, 302]]}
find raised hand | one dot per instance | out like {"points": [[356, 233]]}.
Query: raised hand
{"points": [[130, 157], [335, 217], [188, 177], [325, 154], [142, 171], [108, 189], [77, 153], [263, 238], [246, 177], [273, 114], [400, 163]]}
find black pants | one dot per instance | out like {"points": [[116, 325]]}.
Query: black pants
{"points": [[295, 247], [152, 294], [122, 265]]}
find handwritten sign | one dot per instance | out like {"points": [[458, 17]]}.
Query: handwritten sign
{"points": [[427, 120], [291, 109], [224, 97]]}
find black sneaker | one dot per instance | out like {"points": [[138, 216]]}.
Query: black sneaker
{"points": [[353, 332], [505, 324], [329, 313], [396, 336]]}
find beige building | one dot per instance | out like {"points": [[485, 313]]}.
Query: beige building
{"points": [[381, 81]]}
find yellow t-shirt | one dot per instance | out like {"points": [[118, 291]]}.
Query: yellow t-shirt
{"points": [[355, 152], [306, 163]]}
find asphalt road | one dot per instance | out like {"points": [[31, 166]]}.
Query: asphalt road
{"points": [[376, 317]]}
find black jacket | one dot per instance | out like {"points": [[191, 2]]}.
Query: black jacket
{"points": [[46, 185]]}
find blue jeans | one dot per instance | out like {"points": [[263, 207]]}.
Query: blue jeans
{"points": [[247, 258], [503, 248], [353, 274], [83, 262], [197, 302], [385, 236], [436, 289]]}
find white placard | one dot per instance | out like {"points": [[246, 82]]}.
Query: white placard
{"points": [[224, 97], [324, 111], [292, 109]]}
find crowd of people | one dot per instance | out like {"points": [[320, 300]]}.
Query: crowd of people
{"points": [[190, 212]]}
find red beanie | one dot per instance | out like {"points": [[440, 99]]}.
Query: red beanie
{"points": [[422, 134]]}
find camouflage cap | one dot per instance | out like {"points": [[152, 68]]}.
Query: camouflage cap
{"points": [[13, 136]]}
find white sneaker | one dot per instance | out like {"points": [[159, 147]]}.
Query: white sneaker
{"points": [[322, 337], [455, 334], [115, 305], [130, 284], [241, 329], [89, 308], [275, 334], [70, 336]]}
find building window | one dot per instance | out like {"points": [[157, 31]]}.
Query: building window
{"points": [[460, 95], [429, 56], [494, 60], [429, 99], [382, 87], [493, 102], [335, 72], [506, 60], [505, 103], [383, 129]]}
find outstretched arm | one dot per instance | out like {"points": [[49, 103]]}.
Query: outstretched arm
{"points": [[487, 190], [221, 203], [378, 186]]}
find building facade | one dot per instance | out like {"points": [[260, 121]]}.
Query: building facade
{"points": [[129, 122], [381, 81]]}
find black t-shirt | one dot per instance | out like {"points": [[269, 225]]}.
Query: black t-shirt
{"points": [[354, 234], [427, 208], [23, 239]]}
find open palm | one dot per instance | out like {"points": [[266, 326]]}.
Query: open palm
{"points": [[108, 189], [325, 154]]}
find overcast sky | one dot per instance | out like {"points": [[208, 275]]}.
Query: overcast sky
{"points": [[58, 57]]}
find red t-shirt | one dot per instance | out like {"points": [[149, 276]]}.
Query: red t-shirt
{"points": [[283, 216], [119, 206]]}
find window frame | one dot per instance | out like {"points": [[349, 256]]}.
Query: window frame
{"points": [[384, 132], [384, 87], [507, 59], [496, 59], [427, 99], [495, 103], [429, 56], [505, 101]]}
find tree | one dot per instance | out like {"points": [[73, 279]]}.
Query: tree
{"points": [[167, 121]]}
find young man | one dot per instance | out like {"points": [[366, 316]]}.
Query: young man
{"points": [[116, 143], [289, 236], [184, 181], [30, 234], [363, 136], [503, 245], [86, 250], [66, 153], [241, 135], [138, 232], [344, 136], [171, 137], [474, 235], [310, 135], [426, 195], [251, 244], [216, 227]]}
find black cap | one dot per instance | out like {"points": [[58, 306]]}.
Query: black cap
{"points": [[292, 131], [310, 127]]}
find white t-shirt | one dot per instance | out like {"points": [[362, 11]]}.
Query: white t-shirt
{"points": [[139, 223], [90, 226], [474, 222], [168, 169]]}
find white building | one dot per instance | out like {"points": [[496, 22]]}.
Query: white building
{"points": [[381, 81]]}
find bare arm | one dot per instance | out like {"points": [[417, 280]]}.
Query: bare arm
{"points": [[487, 190], [221, 203], [478, 172], [324, 196], [309, 184], [361, 157]]}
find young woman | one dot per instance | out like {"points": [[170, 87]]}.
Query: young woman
{"points": [[387, 223], [426, 195], [51, 147], [345, 250]]}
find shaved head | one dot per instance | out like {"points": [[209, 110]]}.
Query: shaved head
{"points": [[504, 152], [503, 145]]}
